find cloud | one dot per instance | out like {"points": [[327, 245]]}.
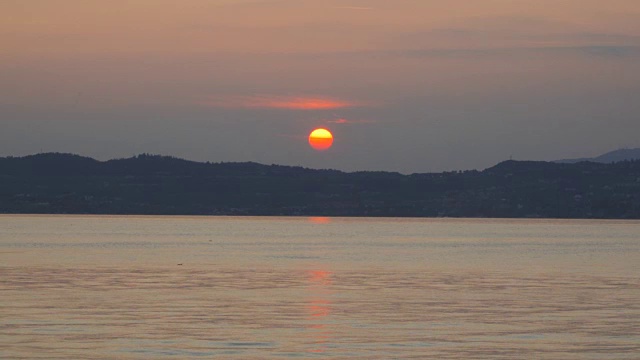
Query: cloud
{"points": [[345, 121], [602, 51], [611, 51], [617, 51], [280, 102]]}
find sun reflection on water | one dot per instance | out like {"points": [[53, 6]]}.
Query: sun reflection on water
{"points": [[319, 308], [319, 220]]}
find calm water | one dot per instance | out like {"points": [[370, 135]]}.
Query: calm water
{"points": [[75, 287]]}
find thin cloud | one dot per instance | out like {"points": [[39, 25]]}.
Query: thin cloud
{"points": [[280, 102], [345, 121], [588, 50], [604, 51]]}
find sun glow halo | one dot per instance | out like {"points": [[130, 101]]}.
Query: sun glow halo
{"points": [[320, 139]]}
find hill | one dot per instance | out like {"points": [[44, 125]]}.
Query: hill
{"points": [[151, 184], [610, 157]]}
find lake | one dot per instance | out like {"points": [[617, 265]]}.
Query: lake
{"points": [[137, 287]]}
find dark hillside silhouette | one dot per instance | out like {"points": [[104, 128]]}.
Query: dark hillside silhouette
{"points": [[151, 184]]}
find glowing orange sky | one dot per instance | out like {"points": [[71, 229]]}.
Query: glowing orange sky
{"points": [[165, 26], [304, 104], [412, 85], [279, 102]]}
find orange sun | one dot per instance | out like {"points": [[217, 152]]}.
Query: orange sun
{"points": [[320, 139]]}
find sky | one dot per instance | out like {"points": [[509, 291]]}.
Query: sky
{"points": [[404, 85]]}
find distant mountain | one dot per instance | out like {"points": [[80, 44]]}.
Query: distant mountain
{"points": [[608, 158], [151, 184]]}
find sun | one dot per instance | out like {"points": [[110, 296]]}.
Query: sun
{"points": [[320, 139]]}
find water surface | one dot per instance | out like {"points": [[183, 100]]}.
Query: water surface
{"points": [[346, 288]]}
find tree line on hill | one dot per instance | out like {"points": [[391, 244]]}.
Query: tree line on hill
{"points": [[56, 183]]}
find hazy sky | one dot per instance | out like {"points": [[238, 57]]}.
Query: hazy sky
{"points": [[404, 85]]}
